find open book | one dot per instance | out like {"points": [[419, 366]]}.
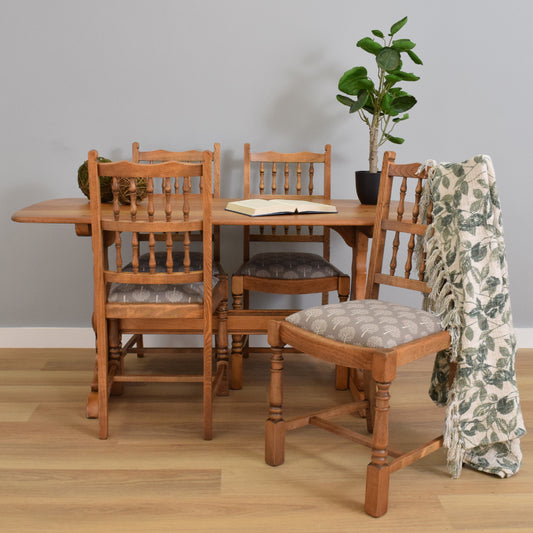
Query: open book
{"points": [[257, 207]]}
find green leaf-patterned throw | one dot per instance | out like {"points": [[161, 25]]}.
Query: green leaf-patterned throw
{"points": [[466, 268]]}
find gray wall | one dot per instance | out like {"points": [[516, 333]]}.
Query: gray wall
{"points": [[178, 75]]}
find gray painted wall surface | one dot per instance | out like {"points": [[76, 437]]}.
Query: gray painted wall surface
{"points": [[76, 76]]}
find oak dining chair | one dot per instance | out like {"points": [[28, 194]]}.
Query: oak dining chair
{"points": [[150, 286], [285, 269], [136, 343], [370, 335]]}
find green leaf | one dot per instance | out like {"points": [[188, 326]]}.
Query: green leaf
{"points": [[397, 26], [403, 45], [490, 343], [386, 102], [354, 80], [403, 103], [361, 101], [345, 100], [469, 289], [389, 59], [414, 57], [378, 33], [505, 405], [397, 91], [395, 140], [399, 119], [405, 76], [369, 107], [369, 45], [482, 323], [391, 79]]}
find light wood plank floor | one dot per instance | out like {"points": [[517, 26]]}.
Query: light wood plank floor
{"points": [[156, 474]]}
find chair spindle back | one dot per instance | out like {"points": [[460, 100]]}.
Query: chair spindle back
{"points": [[188, 156], [166, 213], [402, 220], [290, 176]]}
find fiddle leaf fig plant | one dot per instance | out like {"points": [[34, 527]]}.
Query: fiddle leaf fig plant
{"points": [[381, 104]]}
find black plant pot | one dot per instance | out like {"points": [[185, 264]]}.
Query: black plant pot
{"points": [[367, 186]]}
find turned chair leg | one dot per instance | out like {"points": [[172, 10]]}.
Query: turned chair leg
{"points": [[246, 338], [236, 362], [222, 347], [237, 340], [370, 394], [208, 389], [275, 425], [378, 471], [116, 357]]}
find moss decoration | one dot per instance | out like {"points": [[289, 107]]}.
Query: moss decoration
{"points": [[106, 185], [105, 181], [124, 189]]}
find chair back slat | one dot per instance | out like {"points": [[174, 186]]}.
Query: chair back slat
{"points": [[135, 251], [274, 177], [118, 251], [400, 226], [270, 175]]}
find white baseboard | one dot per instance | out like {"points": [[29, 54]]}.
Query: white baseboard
{"points": [[524, 337], [84, 338], [46, 338]]}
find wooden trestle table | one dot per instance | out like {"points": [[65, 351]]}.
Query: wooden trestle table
{"points": [[353, 222]]}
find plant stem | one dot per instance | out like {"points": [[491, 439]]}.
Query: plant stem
{"points": [[374, 126], [373, 152]]}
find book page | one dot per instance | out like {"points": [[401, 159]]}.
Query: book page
{"points": [[305, 206], [260, 207]]}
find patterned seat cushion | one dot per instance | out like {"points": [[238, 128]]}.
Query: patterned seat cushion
{"points": [[288, 265], [184, 293], [370, 323]]}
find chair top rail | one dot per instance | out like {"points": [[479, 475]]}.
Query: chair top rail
{"points": [[168, 169]]}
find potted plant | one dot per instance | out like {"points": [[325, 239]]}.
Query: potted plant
{"points": [[380, 104]]}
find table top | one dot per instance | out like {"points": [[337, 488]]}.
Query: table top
{"points": [[77, 211]]}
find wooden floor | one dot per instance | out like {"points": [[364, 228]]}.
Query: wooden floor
{"points": [[156, 474]]}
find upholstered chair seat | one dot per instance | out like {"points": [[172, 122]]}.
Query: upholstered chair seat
{"points": [[288, 265], [184, 293], [370, 323]]}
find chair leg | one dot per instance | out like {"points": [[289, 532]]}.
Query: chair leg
{"points": [[237, 340], [140, 346], [222, 347], [342, 376], [275, 425], [103, 380], [208, 387], [343, 288], [378, 471], [116, 357], [370, 395], [246, 338], [236, 362], [92, 399]]}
